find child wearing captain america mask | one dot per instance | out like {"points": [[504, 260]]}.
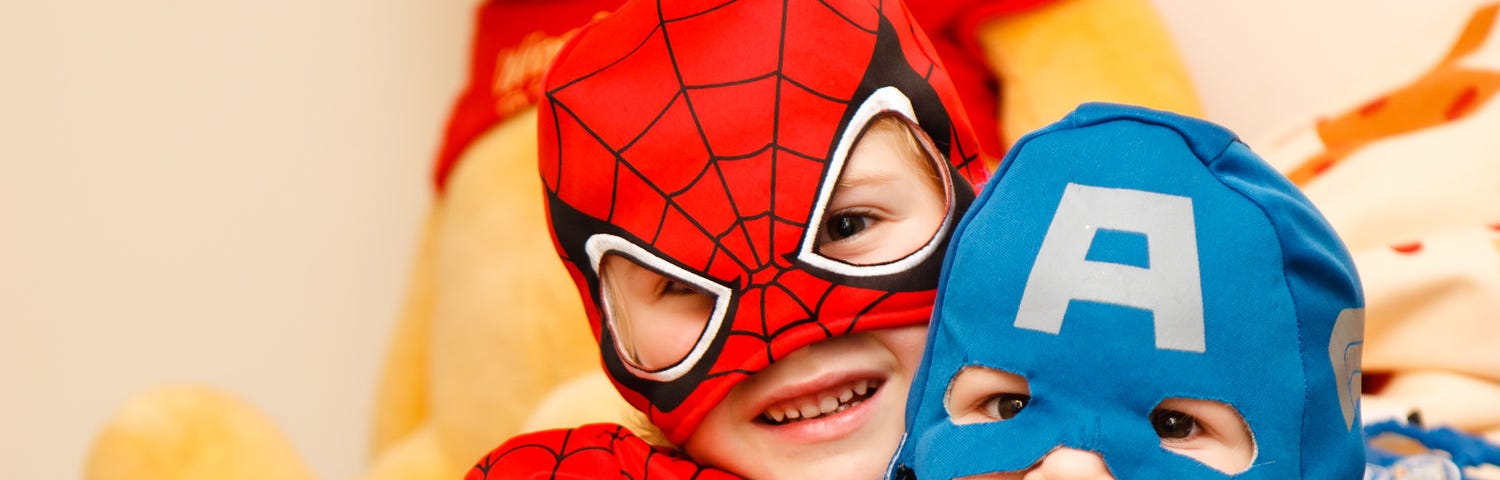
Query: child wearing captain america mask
{"points": [[1137, 295]]}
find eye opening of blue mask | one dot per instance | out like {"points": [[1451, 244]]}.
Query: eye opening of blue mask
{"points": [[980, 394], [1210, 432]]}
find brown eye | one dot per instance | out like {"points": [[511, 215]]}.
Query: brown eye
{"points": [[1172, 424], [845, 225], [980, 394], [1211, 432], [1005, 406]]}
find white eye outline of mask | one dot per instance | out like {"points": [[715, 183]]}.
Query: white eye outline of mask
{"points": [[886, 100], [601, 244]]}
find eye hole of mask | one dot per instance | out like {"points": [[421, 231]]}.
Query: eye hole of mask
{"points": [[657, 320], [1213, 433], [980, 394], [1210, 432], [890, 200]]}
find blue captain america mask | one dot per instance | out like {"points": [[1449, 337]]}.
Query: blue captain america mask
{"points": [[1124, 256]]}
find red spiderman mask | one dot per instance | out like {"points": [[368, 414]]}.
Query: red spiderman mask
{"points": [[703, 141]]}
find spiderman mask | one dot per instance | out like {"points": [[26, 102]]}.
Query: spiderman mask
{"points": [[700, 156]]}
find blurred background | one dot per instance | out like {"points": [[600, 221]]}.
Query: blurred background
{"points": [[229, 192], [224, 192]]}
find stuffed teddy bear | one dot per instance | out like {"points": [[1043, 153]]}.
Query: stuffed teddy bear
{"points": [[492, 340]]}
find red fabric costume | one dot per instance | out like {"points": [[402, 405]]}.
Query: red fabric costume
{"points": [[598, 451], [514, 40], [703, 141]]}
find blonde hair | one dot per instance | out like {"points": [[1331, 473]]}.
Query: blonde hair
{"points": [[912, 148], [619, 321], [641, 425], [618, 318]]}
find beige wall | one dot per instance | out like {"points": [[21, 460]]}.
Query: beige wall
{"points": [[227, 192], [1264, 66], [224, 192]]}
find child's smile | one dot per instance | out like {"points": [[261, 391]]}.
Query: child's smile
{"points": [[840, 403], [816, 405]]}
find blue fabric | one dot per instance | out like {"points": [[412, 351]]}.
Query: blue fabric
{"points": [[1270, 280], [1455, 447]]}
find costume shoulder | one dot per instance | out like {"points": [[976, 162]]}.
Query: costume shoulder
{"points": [[600, 451]]}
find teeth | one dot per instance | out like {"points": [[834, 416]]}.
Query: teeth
{"points": [[810, 411], [828, 404], [775, 414], [814, 406]]}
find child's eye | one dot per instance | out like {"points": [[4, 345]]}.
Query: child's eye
{"points": [[843, 225], [656, 319], [979, 394], [673, 287], [1211, 432], [1005, 406], [1172, 424], [888, 202]]}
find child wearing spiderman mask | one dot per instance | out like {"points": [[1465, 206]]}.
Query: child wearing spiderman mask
{"points": [[753, 198], [1137, 295]]}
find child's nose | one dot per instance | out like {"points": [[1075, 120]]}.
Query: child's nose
{"points": [[1069, 464]]}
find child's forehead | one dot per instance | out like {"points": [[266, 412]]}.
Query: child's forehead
{"points": [[894, 137]]}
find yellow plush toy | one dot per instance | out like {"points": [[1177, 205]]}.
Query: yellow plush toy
{"points": [[493, 340]]}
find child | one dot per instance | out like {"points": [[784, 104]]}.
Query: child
{"points": [[753, 198], [1137, 295]]}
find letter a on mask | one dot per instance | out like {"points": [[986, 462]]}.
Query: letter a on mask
{"points": [[1169, 286]]}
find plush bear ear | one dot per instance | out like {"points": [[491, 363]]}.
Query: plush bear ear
{"points": [[180, 433], [1113, 51]]}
